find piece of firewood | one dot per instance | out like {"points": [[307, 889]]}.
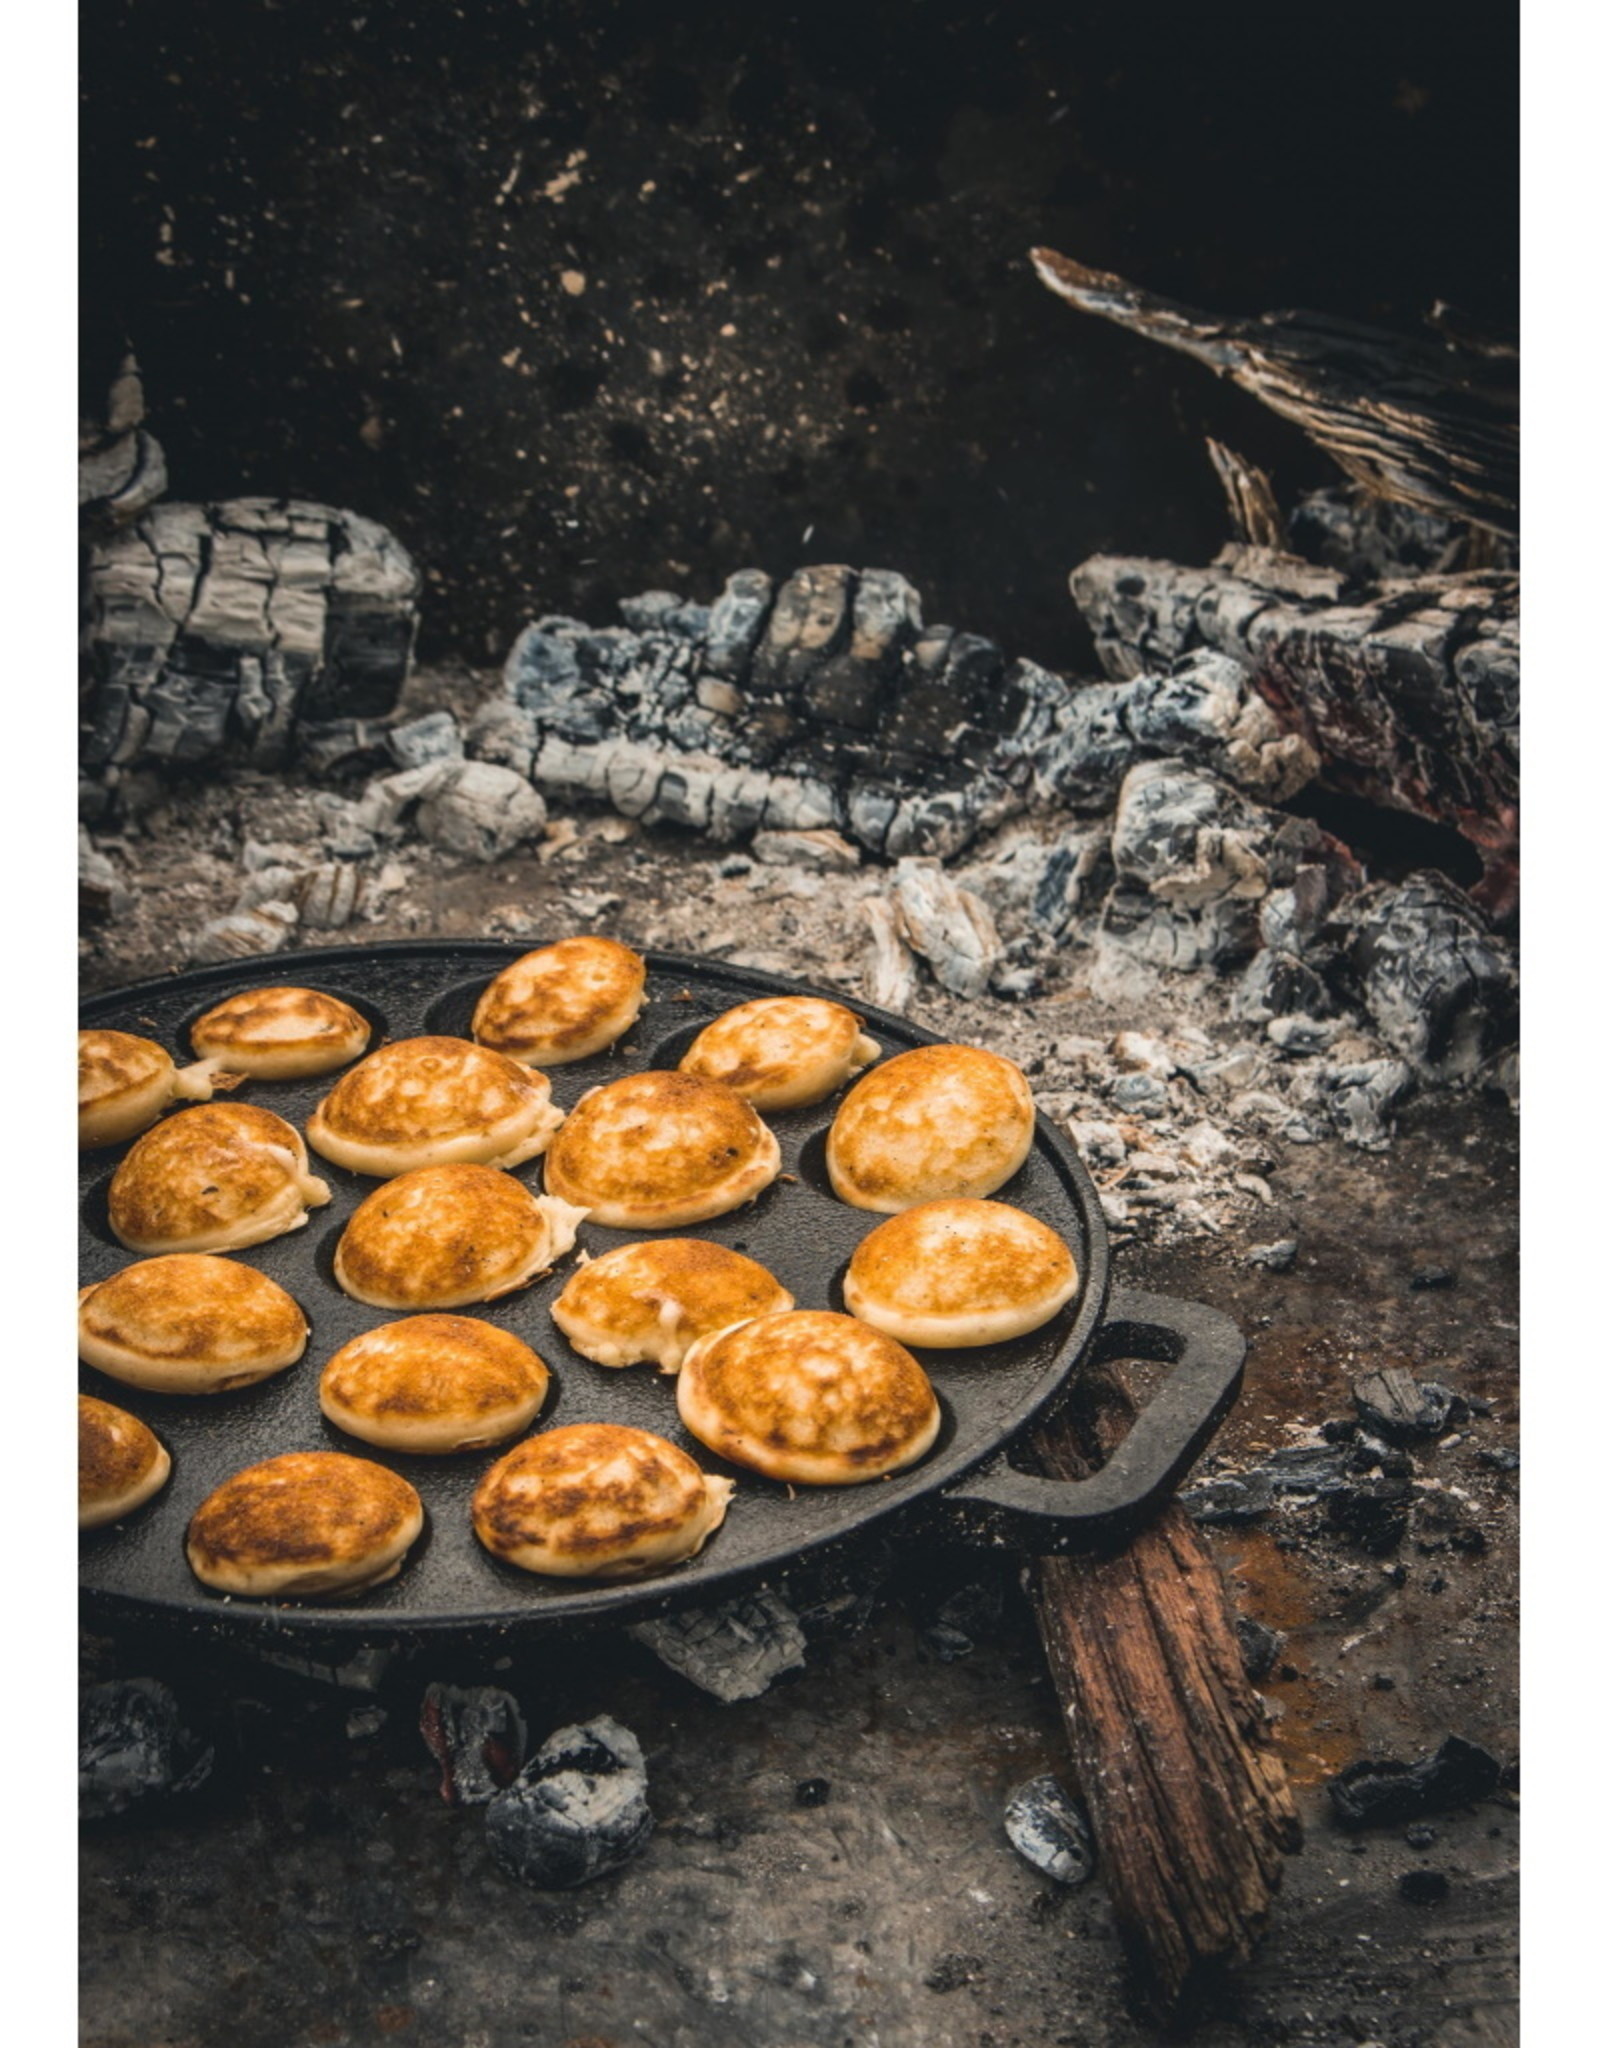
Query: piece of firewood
{"points": [[1408, 690], [1191, 1807], [1252, 503], [1413, 420]]}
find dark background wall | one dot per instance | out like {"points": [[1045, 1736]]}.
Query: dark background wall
{"points": [[585, 299]]}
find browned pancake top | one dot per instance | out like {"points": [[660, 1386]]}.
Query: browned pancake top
{"points": [[652, 1138], [115, 1450], [304, 1508], [623, 1292], [592, 1487], [559, 996], [191, 1305], [439, 1230], [816, 1383], [961, 1257], [438, 1365], [931, 1121], [278, 1019], [420, 1088], [774, 1040], [113, 1063], [204, 1169]]}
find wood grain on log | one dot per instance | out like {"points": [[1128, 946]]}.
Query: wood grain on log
{"points": [[1413, 420], [1191, 1807], [1252, 503]]}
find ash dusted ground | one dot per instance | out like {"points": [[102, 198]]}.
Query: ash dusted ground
{"points": [[318, 1890]]}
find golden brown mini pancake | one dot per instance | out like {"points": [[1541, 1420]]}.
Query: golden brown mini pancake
{"points": [[305, 1523], [282, 1034], [657, 1149], [189, 1323], [448, 1235], [652, 1301], [960, 1272], [434, 1384], [938, 1120], [120, 1462], [561, 1003], [811, 1397], [782, 1052], [433, 1102], [124, 1083], [596, 1501], [214, 1179]]}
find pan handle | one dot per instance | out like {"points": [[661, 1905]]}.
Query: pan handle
{"points": [[1004, 1507]]}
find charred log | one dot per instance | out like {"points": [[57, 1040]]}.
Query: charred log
{"points": [[215, 631], [1407, 419], [1408, 692], [121, 469], [1191, 1808]]}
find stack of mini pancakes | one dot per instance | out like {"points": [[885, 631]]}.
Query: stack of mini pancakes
{"points": [[440, 1125]]}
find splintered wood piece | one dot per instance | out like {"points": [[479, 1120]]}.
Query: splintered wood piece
{"points": [[1191, 1807], [1413, 420], [1252, 504]]}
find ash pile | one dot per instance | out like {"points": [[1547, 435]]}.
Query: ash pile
{"points": [[888, 806]]}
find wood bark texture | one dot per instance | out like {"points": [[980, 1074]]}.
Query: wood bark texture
{"points": [[1420, 421], [1191, 1807]]}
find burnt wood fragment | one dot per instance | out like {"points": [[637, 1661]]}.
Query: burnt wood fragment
{"points": [[1407, 419], [214, 630], [1409, 691], [1191, 1808]]}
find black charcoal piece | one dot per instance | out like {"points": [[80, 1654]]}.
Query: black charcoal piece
{"points": [[1374, 1514], [1259, 1647], [1221, 1502], [1423, 1887], [1500, 1460], [733, 1652], [576, 1810], [1383, 1794], [133, 1747], [1391, 1402], [477, 1737], [736, 619], [812, 1792], [1439, 987], [1420, 1836], [1428, 1277], [1048, 1827]]}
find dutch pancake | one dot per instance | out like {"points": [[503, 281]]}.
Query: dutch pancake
{"points": [[655, 1150], [562, 1002], [782, 1052], [936, 1121], [960, 1272], [433, 1384], [448, 1235], [433, 1102], [125, 1082], [650, 1302], [213, 1179], [189, 1323], [597, 1501], [303, 1524], [281, 1034], [121, 1462], [811, 1397]]}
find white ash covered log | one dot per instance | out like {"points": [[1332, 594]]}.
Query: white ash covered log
{"points": [[121, 467], [1408, 690], [217, 632]]}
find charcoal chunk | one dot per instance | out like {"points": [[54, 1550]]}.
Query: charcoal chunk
{"points": [[1386, 1794], [1277, 1257], [1423, 1887], [576, 1810], [1259, 1646], [812, 1792], [133, 1747], [478, 1738], [733, 1652], [436, 737], [1047, 1826], [734, 626], [1393, 1403], [1373, 1514]]}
